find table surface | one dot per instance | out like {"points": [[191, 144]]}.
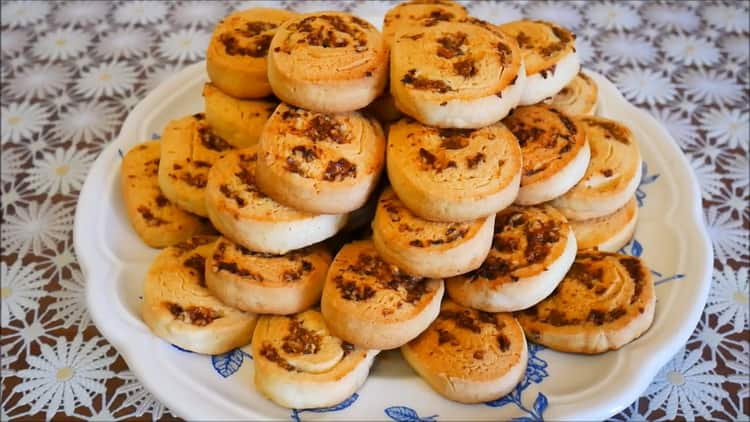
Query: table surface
{"points": [[71, 72]]}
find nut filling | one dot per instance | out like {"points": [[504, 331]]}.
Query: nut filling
{"points": [[252, 39], [195, 315], [385, 276], [300, 340]]}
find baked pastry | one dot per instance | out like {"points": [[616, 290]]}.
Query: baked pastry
{"points": [[248, 217], [426, 248], [612, 176], [236, 57], [469, 356], [300, 364], [453, 174], [555, 152], [157, 221], [321, 163], [605, 301], [373, 304], [239, 122], [188, 150], [331, 62], [579, 97], [416, 13], [266, 284], [178, 308], [549, 54], [456, 74], [532, 250], [608, 233]]}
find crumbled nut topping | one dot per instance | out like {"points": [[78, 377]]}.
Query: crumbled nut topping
{"points": [[195, 315], [420, 82], [300, 340], [149, 217]]}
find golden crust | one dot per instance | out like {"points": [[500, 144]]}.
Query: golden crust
{"points": [[420, 13], [542, 43], [613, 230], [237, 121], [579, 97]]}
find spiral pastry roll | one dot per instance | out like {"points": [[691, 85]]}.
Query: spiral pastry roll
{"points": [[248, 217], [453, 174], [320, 163], [456, 74], [608, 233], [331, 62], [188, 150], [533, 248], [605, 301], [266, 284], [419, 13], [579, 97], [469, 356], [612, 176], [300, 364], [239, 122], [549, 54], [373, 304], [178, 307], [236, 58], [555, 152], [156, 220], [426, 248]]}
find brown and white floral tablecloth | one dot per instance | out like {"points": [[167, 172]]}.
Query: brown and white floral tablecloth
{"points": [[72, 71]]}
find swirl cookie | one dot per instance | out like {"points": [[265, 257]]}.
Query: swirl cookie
{"points": [[456, 74], [419, 13], [605, 301], [157, 221], [426, 248], [453, 174], [469, 356], [549, 54], [237, 121], [236, 58], [612, 176], [321, 163], [331, 62], [247, 216], [188, 150], [178, 308], [579, 97], [300, 364], [555, 152], [532, 250], [373, 304], [266, 284], [608, 233]]}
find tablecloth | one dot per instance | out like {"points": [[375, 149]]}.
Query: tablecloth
{"points": [[72, 71]]}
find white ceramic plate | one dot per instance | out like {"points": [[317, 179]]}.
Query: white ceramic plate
{"points": [[670, 237]]}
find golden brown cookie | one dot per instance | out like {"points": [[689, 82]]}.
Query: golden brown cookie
{"points": [[416, 13], [239, 122], [610, 232], [579, 97]]}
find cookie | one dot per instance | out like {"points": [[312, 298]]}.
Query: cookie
{"points": [[453, 174], [608, 233], [330, 62], [426, 248], [464, 74], [244, 214], [178, 307], [299, 364], [239, 122], [533, 248], [320, 163], [605, 301], [156, 220], [469, 356], [263, 283], [612, 176], [373, 304], [236, 59], [188, 150], [579, 97], [419, 13], [549, 54], [555, 152]]}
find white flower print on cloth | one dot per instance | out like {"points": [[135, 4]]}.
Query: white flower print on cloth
{"points": [[66, 376], [373, 11], [497, 13], [22, 120], [138, 397], [159, 75], [585, 51], [70, 301], [32, 329], [62, 171], [718, 345], [728, 17], [106, 79], [672, 16], [708, 179], [39, 81], [734, 200], [729, 297], [87, 122], [124, 43], [613, 16], [560, 13], [679, 127], [738, 170], [737, 46], [710, 86], [11, 164], [13, 41], [59, 262], [61, 44], [21, 287], [11, 196], [741, 368], [199, 13], [309, 6], [645, 86], [186, 44], [690, 49], [627, 49], [40, 225], [730, 240], [141, 12], [15, 14], [81, 12], [727, 126]]}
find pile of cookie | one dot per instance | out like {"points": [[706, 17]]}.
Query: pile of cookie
{"points": [[356, 177]]}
